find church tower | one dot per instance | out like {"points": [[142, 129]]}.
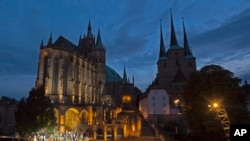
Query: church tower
{"points": [[174, 65], [100, 54]]}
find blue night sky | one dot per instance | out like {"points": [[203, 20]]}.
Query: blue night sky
{"points": [[218, 33]]}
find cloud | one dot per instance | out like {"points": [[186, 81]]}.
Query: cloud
{"points": [[228, 45]]}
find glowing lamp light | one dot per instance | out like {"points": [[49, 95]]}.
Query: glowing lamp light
{"points": [[215, 105], [176, 101]]}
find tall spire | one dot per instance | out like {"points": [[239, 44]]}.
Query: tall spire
{"points": [[41, 45], [173, 39], [99, 40], [50, 39], [186, 44], [124, 79], [79, 42], [162, 46], [89, 34]]}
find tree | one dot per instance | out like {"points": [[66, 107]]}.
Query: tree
{"points": [[212, 83], [35, 112]]}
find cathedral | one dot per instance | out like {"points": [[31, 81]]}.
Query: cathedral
{"points": [[88, 95], [174, 67]]}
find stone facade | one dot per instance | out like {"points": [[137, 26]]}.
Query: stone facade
{"points": [[88, 95], [174, 67]]}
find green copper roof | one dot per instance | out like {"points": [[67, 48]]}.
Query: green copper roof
{"points": [[112, 75], [175, 47], [99, 40]]}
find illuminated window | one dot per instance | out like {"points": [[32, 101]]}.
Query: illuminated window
{"points": [[126, 99], [65, 76], [55, 76]]}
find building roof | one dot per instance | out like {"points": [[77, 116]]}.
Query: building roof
{"points": [[112, 75], [179, 77], [62, 41]]}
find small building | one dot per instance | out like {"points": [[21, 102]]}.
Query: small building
{"points": [[155, 103]]}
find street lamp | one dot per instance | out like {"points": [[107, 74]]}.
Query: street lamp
{"points": [[214, 105], [222, 116]]}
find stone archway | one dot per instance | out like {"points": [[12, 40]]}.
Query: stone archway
{"points": [[100, 134], [71, 119], [120, 133], [84, 117], [110, 134], [89, 133]]}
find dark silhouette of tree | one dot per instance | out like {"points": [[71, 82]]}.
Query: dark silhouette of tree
{"points": [[8, 100], [35, 112], [212, 83]]}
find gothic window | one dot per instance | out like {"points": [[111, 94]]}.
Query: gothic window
{"points": [[45, 70], [153, 98], [153, 104], [176, 53], [55, 76], [164, 65], [77, 74], [65, 76], [163, 97]]}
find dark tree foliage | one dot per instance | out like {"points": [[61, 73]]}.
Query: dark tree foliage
{"points": [[212, 83], [8, 100], [35, 112]]}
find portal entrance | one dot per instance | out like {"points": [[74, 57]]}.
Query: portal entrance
{"points": [[71, 119]]}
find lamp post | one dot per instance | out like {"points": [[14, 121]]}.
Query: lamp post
{"points": [[223, 118]]}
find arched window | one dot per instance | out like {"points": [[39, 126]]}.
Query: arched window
{"points": [[65, 76], [55, 76], [45, 68]]}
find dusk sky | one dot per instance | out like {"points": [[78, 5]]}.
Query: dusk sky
{"points": [[218, 33]]}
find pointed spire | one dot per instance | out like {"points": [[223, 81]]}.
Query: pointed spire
{"points": [[89, 34], [162, 46], [50, 39], [41, 45], [99, 40], [124, 79], [186, 44], [173, 39], [133, 79], [79, 42]]}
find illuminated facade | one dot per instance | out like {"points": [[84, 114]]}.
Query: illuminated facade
{"points": [[156, 102], [88, 95]]}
